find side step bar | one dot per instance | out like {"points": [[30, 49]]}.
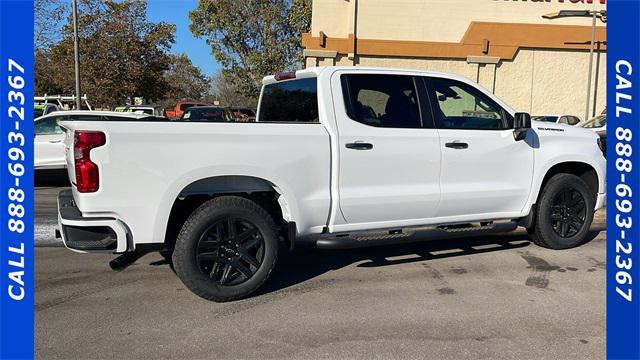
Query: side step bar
{"points": [[409, 235]]}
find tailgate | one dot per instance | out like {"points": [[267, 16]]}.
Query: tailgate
{"points": [[68, 151]]}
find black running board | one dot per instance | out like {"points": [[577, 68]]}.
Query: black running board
{"points": [[409, 235]]}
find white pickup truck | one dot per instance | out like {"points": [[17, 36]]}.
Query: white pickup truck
{"points": [[335, 151]]}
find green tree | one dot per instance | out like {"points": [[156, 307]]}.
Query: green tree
{"points": [[185, 81], [225, 92], [252, 38], [122, 54], [48, 19], [299, 21]]}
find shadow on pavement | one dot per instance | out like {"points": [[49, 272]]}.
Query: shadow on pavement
{"points": [[308, 262], [305, 264]]}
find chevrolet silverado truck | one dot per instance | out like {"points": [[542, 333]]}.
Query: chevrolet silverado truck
{"points": [[340, 157]]}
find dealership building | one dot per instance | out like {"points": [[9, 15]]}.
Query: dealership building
{"points": [[535, 64]]}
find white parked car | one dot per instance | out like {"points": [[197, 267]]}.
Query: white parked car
{"points": [[597, 124], [335, 151], [558, 119], [48, 145]]}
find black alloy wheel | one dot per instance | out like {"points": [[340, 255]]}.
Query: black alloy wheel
{"points": [[226, 249], [563, 212], [568, 213], [230, 251]]}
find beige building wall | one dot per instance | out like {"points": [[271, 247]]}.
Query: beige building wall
{"points": [[541, 67], [441, 20]]}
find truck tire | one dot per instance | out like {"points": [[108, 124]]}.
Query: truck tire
{"points": [[564, 213], [226, 249]]}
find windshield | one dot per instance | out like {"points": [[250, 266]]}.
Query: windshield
{"points": [[204, 115], [545, 118], [596, 122], [38, 111]]}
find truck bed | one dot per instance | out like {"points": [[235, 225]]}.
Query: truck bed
{"points": [[145, 166]]}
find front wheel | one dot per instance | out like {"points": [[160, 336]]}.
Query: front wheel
{"points": [[226, 249], [564, 213]]}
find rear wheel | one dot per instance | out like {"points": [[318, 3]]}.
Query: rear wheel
{"points": [[226, 249], [564, 213]]}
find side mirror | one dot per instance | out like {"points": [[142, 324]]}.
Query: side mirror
{"points": [[521, 123]]}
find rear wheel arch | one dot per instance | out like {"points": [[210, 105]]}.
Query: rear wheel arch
{"points": [[261, 191]]}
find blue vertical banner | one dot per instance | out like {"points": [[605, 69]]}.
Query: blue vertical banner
{"points": [[623, 182], [16, 179]]}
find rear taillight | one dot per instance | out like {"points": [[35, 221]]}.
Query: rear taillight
{"points": [[87, 175]]}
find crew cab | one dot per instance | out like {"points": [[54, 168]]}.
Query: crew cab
{"points": [[336, 154]]}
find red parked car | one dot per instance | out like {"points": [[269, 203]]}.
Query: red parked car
{"points": [[181, 106]]}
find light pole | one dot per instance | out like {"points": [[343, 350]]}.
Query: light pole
{"points": [[602, 14], [76, 49]]}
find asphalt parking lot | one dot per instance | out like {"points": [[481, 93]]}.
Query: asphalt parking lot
{"points": [[486, 297]]}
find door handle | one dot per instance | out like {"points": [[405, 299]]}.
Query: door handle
{"points": [[55, 141], [359, 146], [457, 145]]}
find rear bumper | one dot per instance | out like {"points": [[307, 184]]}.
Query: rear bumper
{"points": [[89, 234]]}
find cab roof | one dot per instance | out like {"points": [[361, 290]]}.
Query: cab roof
{"points": [[317, 70]]}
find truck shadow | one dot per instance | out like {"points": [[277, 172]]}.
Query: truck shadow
{"points": [[307, 263]]}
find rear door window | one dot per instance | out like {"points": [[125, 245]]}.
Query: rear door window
{"points": [[379, 100], [290, 101]]}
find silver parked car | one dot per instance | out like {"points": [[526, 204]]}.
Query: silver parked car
{"points": [[558, 119]]}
